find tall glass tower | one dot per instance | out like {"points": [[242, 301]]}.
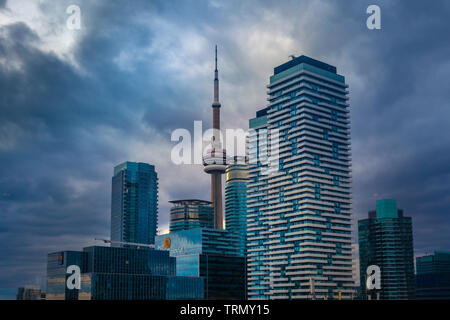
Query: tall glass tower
{"points": [[236, 201], [134, 203], [299, 196], [385, 240]]}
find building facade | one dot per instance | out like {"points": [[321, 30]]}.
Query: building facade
{"points": [[385, 240], [236, 202], [298, 196], [112, 273], [134, 203], [191, 214], [57, 264], [30, 293], [433, 276], [211, 254]]}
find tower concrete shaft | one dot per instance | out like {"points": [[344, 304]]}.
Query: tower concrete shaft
{"points": [[216, 199]]}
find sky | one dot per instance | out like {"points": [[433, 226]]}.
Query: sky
{"points": [[75, 103]]}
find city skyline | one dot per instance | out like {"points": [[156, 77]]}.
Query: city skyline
{"points": [[60, 198]]}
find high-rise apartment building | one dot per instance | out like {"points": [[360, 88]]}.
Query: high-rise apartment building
{"points": [[191, 214], [299, 196], [236, 201], [433, 276], [134, 203], [386, 240]]}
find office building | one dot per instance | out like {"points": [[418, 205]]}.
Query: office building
{"points": [[298, 195], [385, 240], [191, 214], [134, 203], [433, 276], [112, 273], [30, 293], [236, 201], [57, 264], [211, 254]]}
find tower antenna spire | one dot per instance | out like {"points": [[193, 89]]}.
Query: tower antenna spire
{"points": [[216, 59], [216, 80]]}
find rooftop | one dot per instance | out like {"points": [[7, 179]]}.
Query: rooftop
{"points": [[191, 202], [304, 59]]}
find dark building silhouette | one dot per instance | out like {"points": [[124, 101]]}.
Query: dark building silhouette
{"points": [[386, 240], [433, 276]]}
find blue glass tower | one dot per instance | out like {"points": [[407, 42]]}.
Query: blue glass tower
{"points": [[134, 203], [385, 240], [298, 195], [236, 202]]}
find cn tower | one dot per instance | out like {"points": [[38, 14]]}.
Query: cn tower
{"points": [[215, 160]]}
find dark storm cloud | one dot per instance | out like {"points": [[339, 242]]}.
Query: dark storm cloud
{"points": [[144, 68]]}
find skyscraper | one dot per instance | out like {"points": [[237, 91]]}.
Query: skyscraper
{"points": [[433, 276], [215, 159], [236, 201], [191, 214], [385, 240], [298, 197], [134, 203]]}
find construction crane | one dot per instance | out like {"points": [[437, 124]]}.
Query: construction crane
{"points": [[137, 245]]}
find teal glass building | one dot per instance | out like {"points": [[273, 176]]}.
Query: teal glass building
{"points": [[134, 203], [433, 276], [112, 273], [298, 194], [236, 202], [211, 254], [386, 240], [191, 214]]}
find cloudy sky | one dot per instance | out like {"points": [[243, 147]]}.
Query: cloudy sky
{"points": [[74, 103]]}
